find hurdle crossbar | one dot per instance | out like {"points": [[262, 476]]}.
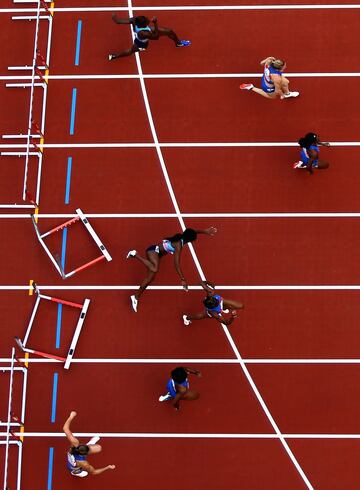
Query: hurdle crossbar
{"points": [[55, 259], [76, 334], [22, 344]]}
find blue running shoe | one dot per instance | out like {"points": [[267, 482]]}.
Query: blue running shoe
{"points": [[183, 43]]}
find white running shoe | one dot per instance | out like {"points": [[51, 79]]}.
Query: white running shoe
{"points": [[186, 321], [130, 254], [290, 94], [246, 86], [226, 311], [299, 164], [134, 303], [164, 398], [93, 440]]}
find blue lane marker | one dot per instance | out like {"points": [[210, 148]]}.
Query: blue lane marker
{"points": [[58, 326], [63, 248], [78, 41], [68, 180], [54, 397], [50, 468], [73, 110]]}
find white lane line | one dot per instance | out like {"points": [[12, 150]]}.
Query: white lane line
{"points": [[264, 361], [190, 8], [265, 409], [201, 273], [251, 144], [181, 76], [198, 435], [114, 287], [185, 215]]}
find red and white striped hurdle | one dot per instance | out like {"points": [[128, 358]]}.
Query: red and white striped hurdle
{"points": [[22, 344], [56, 260]]}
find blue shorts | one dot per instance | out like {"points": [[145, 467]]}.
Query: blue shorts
{"points": [[142, 46], [268, 90]]}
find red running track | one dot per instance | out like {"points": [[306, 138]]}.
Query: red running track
{"points": [[303, 397]]}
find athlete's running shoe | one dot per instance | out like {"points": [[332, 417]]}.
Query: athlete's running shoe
{"points": [[131, 254], [93, 440], [246, 86], [111, 57], [226, 311], [299, 164], [183, 43], [290, 94], [186, 321], [134, 303], [164, 398]]}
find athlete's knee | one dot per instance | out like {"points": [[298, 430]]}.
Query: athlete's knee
{"points": [[154, 269], [285, 81]]}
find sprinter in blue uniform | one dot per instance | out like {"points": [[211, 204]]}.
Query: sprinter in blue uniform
{"points": [[178, 387], [273, 82], [309, 154], [215, 307], [143, 33], [76, 456]]}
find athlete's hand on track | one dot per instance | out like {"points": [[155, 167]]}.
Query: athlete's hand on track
{"points": [[211, 231], [234, 313], [111, 466], [198, 374], [154, 20], [185, 286], [73, 414]]}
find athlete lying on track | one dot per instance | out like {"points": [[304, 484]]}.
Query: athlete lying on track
{"points": [[273, 82], [178, 387], [77, 454], [215, 306], [171, 245], [310, 151], [144, 33]]}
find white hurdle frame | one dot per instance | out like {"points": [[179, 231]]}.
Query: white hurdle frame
{"points": [[17, 440], [29, 137], [22, 344], [56, 262]]}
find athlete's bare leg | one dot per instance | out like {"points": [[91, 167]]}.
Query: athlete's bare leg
{"points": [[263, 93], [164, 31]]}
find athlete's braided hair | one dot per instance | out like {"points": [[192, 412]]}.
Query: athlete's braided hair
{"points": [[179, 375], [189, 235], [308, 140], [80, 450]]}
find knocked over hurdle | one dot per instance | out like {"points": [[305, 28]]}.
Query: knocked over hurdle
{"points": [[56, 259], [22, 344]]}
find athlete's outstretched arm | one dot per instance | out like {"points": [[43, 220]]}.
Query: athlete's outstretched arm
{"points": [[177, 255], [93, 471], [267, 60], [193, 371], [208, 231], [116, 19], [66, 428]]}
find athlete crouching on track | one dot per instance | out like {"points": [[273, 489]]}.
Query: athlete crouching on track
{"points": [[178, 387], [309, 154], [171, 245], [273, 82], [215, 306], [77, 454], [143, 33]]}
